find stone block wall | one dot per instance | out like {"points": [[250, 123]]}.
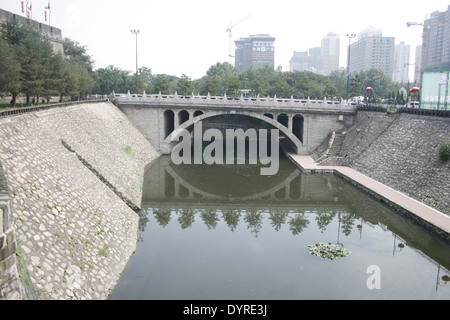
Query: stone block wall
{"points": [[401, 151], [74, 232], [9, 277]]}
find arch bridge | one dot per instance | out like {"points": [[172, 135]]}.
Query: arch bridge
{"points": [[303, 123]]}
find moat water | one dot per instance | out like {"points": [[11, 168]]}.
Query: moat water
{"points": [[226, 232]]}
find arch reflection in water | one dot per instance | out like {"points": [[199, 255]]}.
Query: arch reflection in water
{"points": [[227, 233]]}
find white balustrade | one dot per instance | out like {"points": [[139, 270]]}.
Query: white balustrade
{"points": [[268, 102]]}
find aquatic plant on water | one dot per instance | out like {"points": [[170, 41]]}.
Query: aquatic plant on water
{"points": [[328, 251]]}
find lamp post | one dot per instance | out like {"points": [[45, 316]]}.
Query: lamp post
{"points": [[136, 32], [408, 91], [425, 36], [350, 37]]}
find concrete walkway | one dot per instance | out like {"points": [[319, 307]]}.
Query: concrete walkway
{"points": [[416, 210]]}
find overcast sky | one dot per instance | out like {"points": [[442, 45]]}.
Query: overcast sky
{"points": [[188, 36]]}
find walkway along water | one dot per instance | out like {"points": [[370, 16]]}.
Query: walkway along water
{"points": [[410, 208]]}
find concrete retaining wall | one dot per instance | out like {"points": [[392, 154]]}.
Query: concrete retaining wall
{"points": [[74, 232]]}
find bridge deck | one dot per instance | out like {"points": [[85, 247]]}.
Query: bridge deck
{"points": [[414, 209], [224, 101]]}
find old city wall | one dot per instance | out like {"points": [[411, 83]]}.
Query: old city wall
{"points": [[54, 35], [402, 151], [75, 178]]}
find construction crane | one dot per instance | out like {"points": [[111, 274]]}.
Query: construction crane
{"points": [[230, 35]]}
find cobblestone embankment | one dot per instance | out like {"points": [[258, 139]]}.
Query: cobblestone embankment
{"points": [[401, 151], [73, 173]]}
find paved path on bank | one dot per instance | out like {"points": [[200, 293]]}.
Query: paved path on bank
{"points": [[421, 211]]}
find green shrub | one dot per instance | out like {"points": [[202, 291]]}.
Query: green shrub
{"points": [[444, 151]]}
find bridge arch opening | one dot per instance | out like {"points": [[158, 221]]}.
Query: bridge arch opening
{"points": [[169, 122], [288, 142], [298, 126], [268, 115], [283, 119], [183, 116], [198, 113]]}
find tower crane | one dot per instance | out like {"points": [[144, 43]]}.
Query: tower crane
{"points": [[230, 35]]}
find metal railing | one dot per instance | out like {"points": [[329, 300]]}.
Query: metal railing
{"points": [[22, 110]]}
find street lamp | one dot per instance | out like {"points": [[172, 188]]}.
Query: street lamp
{"points": [[409, 91], [350, 37], [136, 32]]}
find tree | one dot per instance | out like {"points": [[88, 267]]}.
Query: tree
{"points": [[257, 80], [302, 85], [10, 71], [162, 84], [339, 79], [56, 84], [330, 91], [77, 54], [356, 88], [81, 67], [32, 68], [279, 86], [32, 53], [220, 78], [111, 79], [185, 86], [35, 57], [379, 81]]}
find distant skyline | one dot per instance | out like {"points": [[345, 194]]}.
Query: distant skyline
{"points": [[187, 37]]}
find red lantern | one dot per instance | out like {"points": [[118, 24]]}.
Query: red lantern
{"points": [[369, 89], [414, 89], [23, 8]]}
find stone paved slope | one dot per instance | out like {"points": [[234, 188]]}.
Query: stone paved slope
{"points": [[74, 234], [402, 151]]}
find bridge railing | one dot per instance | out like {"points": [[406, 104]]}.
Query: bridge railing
{"points": [[232, 101]]}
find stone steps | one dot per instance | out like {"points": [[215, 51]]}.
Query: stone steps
{"points": [[334, 152]]}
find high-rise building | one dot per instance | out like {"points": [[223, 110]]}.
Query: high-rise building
{"points": [[315, 56], [321, 60], [254, 51], [330, 50], [417, 65], [436, 40], [401, 62], [300, 61], [372, 51]]}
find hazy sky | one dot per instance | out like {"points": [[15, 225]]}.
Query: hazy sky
{"points": [[188, 36]]}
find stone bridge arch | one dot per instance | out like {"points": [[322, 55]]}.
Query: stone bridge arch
{"points": [[291, 128], [303, 124]]}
